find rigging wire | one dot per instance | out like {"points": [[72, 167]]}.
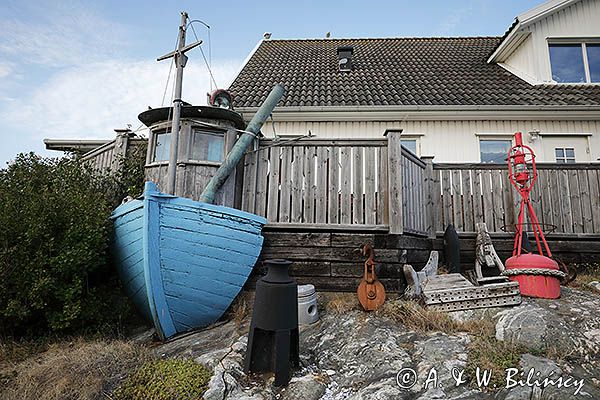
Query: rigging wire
{"points": [[209, 61]]}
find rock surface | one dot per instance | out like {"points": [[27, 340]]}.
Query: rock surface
{"points": [[356, 355]]}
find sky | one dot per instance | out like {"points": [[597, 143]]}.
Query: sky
{"points": [[80, 69]]}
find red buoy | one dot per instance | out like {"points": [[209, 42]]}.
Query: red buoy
{"points": [[538, 275], [536, 284]]}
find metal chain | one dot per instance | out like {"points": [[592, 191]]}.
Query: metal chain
{"points": [[535, 271]]}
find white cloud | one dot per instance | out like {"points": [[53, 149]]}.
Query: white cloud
{"points": [[5, 69], [89, 101], [58, 34]]}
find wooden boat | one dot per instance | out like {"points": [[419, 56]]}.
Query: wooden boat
{"points": [[182, 262]]}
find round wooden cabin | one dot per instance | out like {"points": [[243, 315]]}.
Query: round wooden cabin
{"points": [[206, 136]]}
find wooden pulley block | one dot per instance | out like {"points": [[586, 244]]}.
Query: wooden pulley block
{"points": [[371, 293]]}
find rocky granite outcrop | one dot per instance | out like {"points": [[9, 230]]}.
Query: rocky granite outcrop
{"points": [[357, 355]]}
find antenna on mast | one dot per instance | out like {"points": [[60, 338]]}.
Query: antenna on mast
{"points": [[180, 61]]}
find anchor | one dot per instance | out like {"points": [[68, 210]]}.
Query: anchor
{"points": [[371, 293]]}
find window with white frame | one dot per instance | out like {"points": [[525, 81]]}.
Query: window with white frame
{"points": [[575, 62], [410, 144], [494, 151], [564, 155], [162, 146], [207, 146]]}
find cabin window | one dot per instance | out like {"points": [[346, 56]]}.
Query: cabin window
{"points": [[494, 151], [207, 146], [410, 144], [565, 155], [162, 146], [575, 62]]}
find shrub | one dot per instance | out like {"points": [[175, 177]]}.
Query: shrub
{"points": [[54, 230], [166, 380]]}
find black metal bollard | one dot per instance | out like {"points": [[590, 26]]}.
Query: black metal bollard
{"points": [[273, 341]]}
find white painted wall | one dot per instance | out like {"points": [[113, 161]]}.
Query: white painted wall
{"points": [[457, 141], [532, 58]]}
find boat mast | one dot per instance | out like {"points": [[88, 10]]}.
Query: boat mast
{"points": [[180, 61]]}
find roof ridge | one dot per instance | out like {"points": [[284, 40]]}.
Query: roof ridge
{"points": [[382, 38]]}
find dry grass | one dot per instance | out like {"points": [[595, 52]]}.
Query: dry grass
{"points": [[241, 308], [412, 315], [586, 273], [70, 370], [339, 303]]}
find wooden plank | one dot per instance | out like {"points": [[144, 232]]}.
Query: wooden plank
{"points": [[333, 203], [536, 199], [309, 184], [557, 217], [261, 183], [428, 197], [447, 198], [457, 211], [467, 201], [346, 185], [586, 202], [274, 182], [437, 201], [477, 197], [286, 239], [575, 197], [286, 182], [508, 198], [321, 186], [395, 183], [249, 181], [297, 184], [544, 189], [370, 206], [594, 182], [487, 202], [382, 186], [565, 201], [357, 186], [497, 199], [405, 171]]}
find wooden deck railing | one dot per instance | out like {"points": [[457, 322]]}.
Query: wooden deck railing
{"points": [[565, 195], [361, 184], [376, 184]]}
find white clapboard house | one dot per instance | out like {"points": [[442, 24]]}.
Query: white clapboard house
{"points": [[459, 99]]}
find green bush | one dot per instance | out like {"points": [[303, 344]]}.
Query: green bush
{"points": [[54, 234], [166, 380]]}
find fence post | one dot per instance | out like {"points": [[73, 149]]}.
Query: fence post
{"points": [[395, 182], [429, 193], [120, 150]]}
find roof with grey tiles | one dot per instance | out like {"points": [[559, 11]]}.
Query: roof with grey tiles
{"points": [[394, 71]]}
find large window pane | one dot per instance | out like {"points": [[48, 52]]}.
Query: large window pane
{"points": [[567, 63], [593, 54], [207, 146], [494, 151], [162, 146]]}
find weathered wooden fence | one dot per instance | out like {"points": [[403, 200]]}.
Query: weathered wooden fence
{"points": [[565, 195], [336, 183], [376, 184], [108, 156]]}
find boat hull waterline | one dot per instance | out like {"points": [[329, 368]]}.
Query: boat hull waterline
{"points": [[182, 262]]}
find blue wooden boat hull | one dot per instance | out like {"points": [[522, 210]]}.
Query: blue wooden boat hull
{"points": [[182, 262]]}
